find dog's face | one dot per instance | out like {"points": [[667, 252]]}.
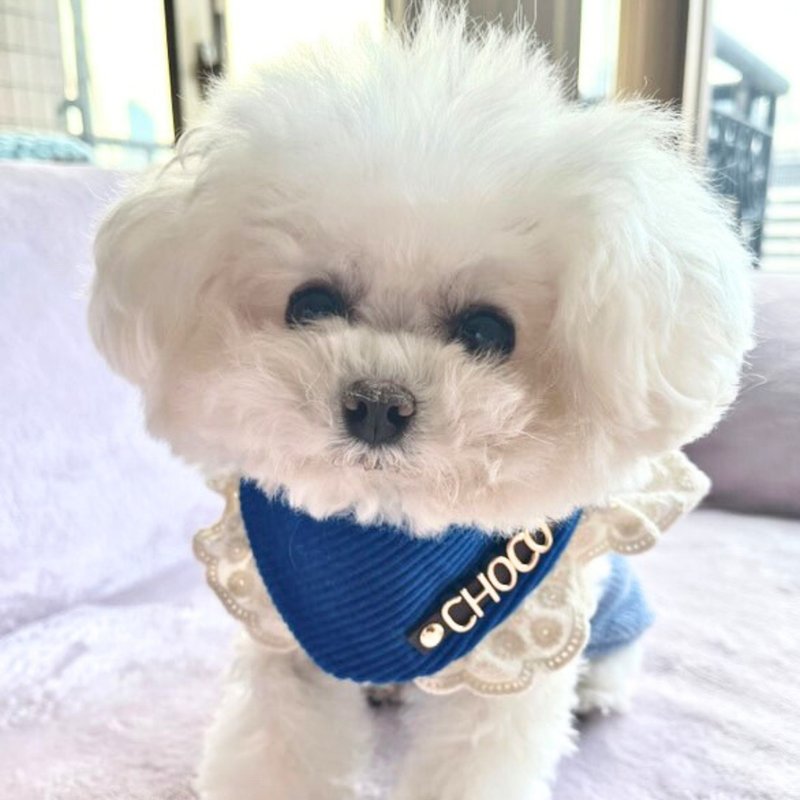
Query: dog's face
{"points": [[413, 281]]}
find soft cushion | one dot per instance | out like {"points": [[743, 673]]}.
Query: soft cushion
{"points": [[110, 700], [753, 456], [89, 504], [105, 691]]}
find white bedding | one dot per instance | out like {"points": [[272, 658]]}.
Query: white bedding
{"points": [[111, 647], [107, 701]]}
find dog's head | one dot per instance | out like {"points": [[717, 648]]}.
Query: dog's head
{"points": [[409, 278]]}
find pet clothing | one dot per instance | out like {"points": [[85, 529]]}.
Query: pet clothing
{"points": [[460, 610]]}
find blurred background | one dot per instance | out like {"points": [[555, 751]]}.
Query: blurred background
{"points": [[114, 81]]}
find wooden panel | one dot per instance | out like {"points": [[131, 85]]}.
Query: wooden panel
{"points": [[652, 48]]}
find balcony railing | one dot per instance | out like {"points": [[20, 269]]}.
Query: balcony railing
{"points": [[739, 158], [741, 124]]}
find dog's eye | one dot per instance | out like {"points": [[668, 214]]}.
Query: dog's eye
{"points": [[314, 302], [484, 331]]}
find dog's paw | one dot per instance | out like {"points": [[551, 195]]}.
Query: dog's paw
{"points": [[540, 791], [609, 682]]}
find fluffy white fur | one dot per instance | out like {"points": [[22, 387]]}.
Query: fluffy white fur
{"points": [[421, 176]]}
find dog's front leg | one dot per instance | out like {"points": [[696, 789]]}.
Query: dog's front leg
{"points": [[284, 731], [465, 747]]}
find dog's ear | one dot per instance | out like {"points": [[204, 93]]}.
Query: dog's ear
{"points": [[654, 309], [149, 253]]}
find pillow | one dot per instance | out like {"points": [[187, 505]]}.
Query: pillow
{"points": [[753, 456]]}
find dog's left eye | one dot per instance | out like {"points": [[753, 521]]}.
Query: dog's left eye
{"points": [[484, 330], [314, 302]]}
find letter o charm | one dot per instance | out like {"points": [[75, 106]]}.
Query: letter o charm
{"points": [[491, 572], [513, 556], [534, 545]]}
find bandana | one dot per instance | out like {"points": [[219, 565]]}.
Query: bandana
{"points": [[564, 618], [373, 604]]}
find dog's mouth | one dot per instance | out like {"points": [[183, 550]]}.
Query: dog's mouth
{"points": [[372, 462], [378, 459]]}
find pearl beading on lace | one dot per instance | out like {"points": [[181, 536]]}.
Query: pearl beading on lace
{"points": [[548, 631]]}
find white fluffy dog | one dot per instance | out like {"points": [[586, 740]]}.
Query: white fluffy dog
{"points": [[547, 293]]}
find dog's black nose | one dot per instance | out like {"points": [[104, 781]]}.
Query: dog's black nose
{"points": [[377, 412]]}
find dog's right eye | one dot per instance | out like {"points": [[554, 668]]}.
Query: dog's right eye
{"points": [[314, 302]]}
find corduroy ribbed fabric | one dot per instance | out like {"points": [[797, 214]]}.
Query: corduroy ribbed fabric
{"points": [[352, 594]]}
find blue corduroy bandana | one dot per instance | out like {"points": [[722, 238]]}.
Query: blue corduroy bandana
{"points": [[376, 605]]}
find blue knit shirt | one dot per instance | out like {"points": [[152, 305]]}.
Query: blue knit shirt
{"points": [[622, 614]]}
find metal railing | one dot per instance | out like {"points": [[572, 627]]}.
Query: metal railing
{"points": [[741, 124], [739, 158]]}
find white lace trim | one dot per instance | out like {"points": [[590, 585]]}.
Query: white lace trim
{"points": [[548, 630], [232, 573]]}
